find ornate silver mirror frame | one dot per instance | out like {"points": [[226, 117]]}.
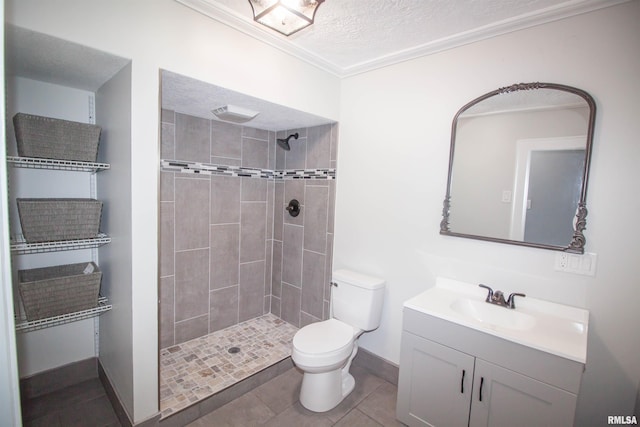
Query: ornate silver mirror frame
{"points": [[577, 241]]}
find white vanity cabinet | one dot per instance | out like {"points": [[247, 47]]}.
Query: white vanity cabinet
{"points": [[452, 375]]}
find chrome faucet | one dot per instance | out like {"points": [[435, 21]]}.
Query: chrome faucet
{"points": [[497, 297]]}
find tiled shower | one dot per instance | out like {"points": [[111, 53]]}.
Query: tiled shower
{"points": [[229, 251]]}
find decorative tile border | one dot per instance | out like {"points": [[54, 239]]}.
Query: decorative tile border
{"points": [[305, 174], [211, 169]]}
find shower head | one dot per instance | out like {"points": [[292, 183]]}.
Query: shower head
{"points": [[284, 143]]}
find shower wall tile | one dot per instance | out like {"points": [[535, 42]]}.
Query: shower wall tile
{"points": [[167, 190], [313, 283], [167, 141], [307, 319], [225, 199], [280, 153], [249, 132], [315, 230], [192, 284], [255, 153], [296, 158], [270, 201], [167, 247], [275, 306], [294, 189], [276, 269], [254, 190], [225, 255], [226, 161], [251, 302], [334, 144], [267, 304], [272, 150], [191, 213], [319, 147], [229, 251], [268, 266], [192, 328], [167, 116], [192, 136], [294, 220], [332, 206], [166, 311], [226, 140], [278, 212], [292, 254], [290, 304], [224, 308], [253, 229], [328, 273]]}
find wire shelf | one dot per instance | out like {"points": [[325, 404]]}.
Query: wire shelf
{"points": [[20, 246], [67, 165], [24, 325]]}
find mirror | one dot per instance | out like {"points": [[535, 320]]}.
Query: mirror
{"points": [[519, 165]]}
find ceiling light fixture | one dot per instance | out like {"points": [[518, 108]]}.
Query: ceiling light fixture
{"points": [[234, 114], [285, 16]]}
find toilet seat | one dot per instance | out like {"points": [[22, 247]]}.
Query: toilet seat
{"points": [[323, 343]]}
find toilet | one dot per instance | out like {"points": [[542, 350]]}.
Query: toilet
{"points": [[324, 350]]}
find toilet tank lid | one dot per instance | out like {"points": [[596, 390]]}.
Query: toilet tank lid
{"points": [[357, 279]]}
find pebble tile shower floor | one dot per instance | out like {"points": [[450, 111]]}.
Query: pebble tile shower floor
{"points": [[196, 369]]}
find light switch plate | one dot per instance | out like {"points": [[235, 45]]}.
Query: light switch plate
{"points": [[584, 264]]}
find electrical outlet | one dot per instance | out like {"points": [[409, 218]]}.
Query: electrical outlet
{"points": [[562, 261], [584, 264]]}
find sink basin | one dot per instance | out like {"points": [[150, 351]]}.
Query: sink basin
{"points": [[492, 315], [547, 326]]}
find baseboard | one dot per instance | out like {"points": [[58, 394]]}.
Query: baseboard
{"points": [[58, 378], [377, 365], [117, 405]]}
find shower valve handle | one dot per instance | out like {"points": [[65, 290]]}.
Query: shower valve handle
{"points": [[293, 208]]}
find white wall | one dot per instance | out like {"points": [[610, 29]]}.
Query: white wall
{"points": [[9, 386], [398, 119], [162, 34], [113, 113], [49, 348]]}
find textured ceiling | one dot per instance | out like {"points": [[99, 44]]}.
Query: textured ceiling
{"points": [[352, 36], [196, 98], [346, 39]]}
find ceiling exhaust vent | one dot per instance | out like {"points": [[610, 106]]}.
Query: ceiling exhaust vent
{"points": [[234, 114]]}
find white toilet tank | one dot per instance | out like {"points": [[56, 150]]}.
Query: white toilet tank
{"points": [[357, 299]]}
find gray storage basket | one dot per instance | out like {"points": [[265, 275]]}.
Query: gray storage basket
{"points": [[46, 220], [49, 138], [54, 291]]}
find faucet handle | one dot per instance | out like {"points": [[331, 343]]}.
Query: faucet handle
{"points": [[490, 294], [511, 299]]}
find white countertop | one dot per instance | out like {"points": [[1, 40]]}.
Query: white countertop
{"points": [[554, 328]]}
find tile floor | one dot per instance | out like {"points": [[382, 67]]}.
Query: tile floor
{"points": [[275, 404], [197, 369], [80, 405]]}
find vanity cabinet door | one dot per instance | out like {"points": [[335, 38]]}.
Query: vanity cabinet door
{"points": [[434, 385], [505, 398]]}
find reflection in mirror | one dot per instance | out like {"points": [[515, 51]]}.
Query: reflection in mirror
{"points": [[519, 166]]}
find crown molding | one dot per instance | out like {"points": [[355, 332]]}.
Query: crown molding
{"points": [[234, 20], [231, 18]]}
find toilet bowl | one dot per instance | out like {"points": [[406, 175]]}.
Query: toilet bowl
{"points": [[324, 350]]}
